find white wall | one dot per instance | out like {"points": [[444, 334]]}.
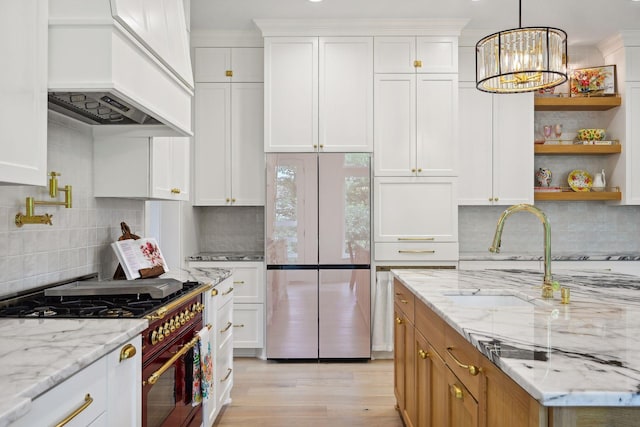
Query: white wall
{"points": [[78, 241]]}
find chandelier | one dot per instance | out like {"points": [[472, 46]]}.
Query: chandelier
{"points": [[521, 59]]}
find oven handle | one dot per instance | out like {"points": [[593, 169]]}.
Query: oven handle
{"points": [[153, 378]]}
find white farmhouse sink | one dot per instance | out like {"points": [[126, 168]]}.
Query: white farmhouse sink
{"points": [[488, 300]]}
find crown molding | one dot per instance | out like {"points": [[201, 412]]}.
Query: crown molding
{"points": [[625, 38], [226, 38], [360, 27]]}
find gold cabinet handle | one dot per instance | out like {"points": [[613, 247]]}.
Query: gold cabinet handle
{"points": [[399, 321], [413, 170], [226, 377], [419, 169], [495, 199], [238, 282], [417, 63], [457, 391], [228, 291], [228, 73], [416, 251], [423, 354], [88, 400], [214, 292], [228, 200], [415, 239], [127, 352], [315, 145], [473, 370], [241, 325], [175, 191], [226, 328], [233, 200]]}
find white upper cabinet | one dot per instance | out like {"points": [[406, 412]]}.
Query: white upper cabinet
{"points": [[415, 124], [229, 157], [23, 112], [496, 142], [346, 94], [141, 167], [423, 54], [318, 94], [224, 64]]}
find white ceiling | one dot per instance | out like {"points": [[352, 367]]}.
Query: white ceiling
{"points": [[586, 21]]}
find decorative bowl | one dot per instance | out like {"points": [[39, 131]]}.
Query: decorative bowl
{"points": [[591, 134]]}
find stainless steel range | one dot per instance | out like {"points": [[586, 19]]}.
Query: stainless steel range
{"points": [[174, 311]]}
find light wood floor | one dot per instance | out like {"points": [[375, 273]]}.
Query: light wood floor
{"points": [[310, 394]]}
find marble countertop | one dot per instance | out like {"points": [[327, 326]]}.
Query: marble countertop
{"points": [[488, 256], [586, 353], [38, 354], [227, 256]]}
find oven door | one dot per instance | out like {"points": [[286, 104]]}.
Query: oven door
{"points": [[167, 387]]}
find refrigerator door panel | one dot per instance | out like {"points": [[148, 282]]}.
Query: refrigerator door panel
{"points": [[344, 192], [344, 314], [292, 314], [292, 209]]}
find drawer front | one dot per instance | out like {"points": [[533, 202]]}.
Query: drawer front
{"points": [[416, 251], [463, 360], [404, 299], [58, 403], [225, 291], [224, 325], [248, 285], [248, 326], [224, 373], [431, 326]]}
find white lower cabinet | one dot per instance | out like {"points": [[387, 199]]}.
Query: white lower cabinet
{"points": [[248, 325], [219, 314], [105, 393]]}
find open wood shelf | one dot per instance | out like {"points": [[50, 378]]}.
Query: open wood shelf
{"points": [[578, 195], [577, 149], [600, 103]]}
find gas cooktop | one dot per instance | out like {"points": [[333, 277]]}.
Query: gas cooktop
{"points": [[39, 303]]}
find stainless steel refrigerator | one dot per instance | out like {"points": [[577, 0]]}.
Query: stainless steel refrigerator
{"points": [[318, 222]]}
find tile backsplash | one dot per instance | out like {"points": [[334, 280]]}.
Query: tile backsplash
{"points": [[78, 241], [576, 228], [231, 228]]}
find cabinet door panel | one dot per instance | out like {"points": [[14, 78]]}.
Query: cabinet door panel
{"points": [[513, 149], [211, 64], [438, 54], [395, 54], [291, 93], [346, 93], [476, 142], [462, 408], [395, 124], [412, 208], [247, 64], [212, 143], [631, 190], [247, 156], [437, 112]]}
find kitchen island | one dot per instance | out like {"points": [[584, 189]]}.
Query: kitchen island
{"points": [[582, 354]]}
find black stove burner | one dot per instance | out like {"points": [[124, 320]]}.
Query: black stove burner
{"points": [[103, 306]]}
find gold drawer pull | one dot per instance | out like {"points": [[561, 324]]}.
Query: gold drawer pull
{"points": [[175, 191], [417, 63], [228, 73], [473, 370], [88, 400], [226, 377], [238, 282], [399, 321], [457, 391], [228, 291], [226, 328], [415, 238], [241, 325], [127, 352], [416, 251], [423, 354]]}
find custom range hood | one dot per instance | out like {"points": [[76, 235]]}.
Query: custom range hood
{"points": [[117, 62]]}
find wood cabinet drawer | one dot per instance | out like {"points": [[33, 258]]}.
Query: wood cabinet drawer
{"points": [[416, 251], [404, 299], [88, 385], [463, 360], [248, 326], [430, 325]]}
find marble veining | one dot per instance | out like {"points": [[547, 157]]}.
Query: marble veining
{"points": [[38, 354], [586, 353], [486, 256], [227, 256]]}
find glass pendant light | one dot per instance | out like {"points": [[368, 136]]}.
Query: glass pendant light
{"points": [[521, 59]]}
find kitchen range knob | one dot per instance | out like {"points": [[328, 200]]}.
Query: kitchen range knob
{"points": [[177, 321], [172, 325], [154, 338], [187, 315], [182, 319], [167, 331], [160, 334]]}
